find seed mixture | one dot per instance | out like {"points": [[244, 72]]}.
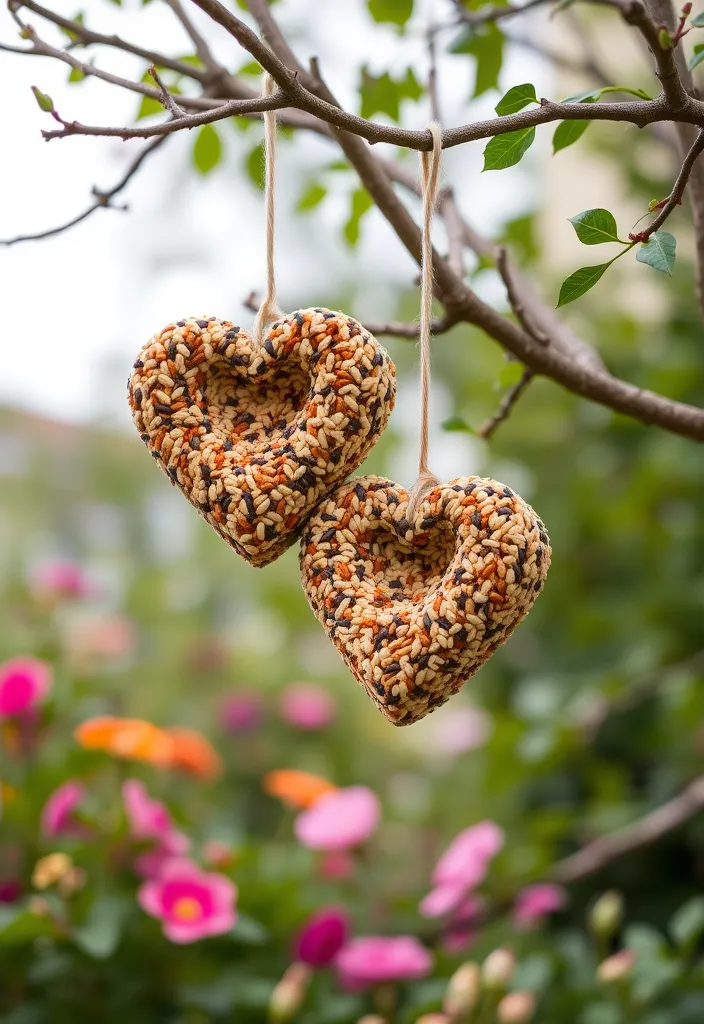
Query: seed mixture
{"points": [[415, 608], [256, 437]]}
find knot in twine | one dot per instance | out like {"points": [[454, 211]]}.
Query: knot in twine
{"points": [[430, 180], [268, 310]]}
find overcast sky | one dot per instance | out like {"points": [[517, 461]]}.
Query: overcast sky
{"points": [[80, 305]]}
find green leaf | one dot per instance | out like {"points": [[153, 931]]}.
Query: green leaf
{"points": [[383, 94], [18, 925], [508, 149], [659, 252], [580, 282], [148, 107], [516, 99], [595, 226], [76, 75], [510, 373], [249, 932], [78, 18], [254, 165], [311, 195], [687, 924], [361, 202], [486, 44], [696, 59], [582, 97], [567, 133], [394, 12], [99, 935], [207, 149], [455, 424], [698, 21], [44, 102], [250, 68]]}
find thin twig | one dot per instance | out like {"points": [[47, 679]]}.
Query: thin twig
{"points": [[398, 329], [203, 51], [506, 405], [103, 200], [515, 298], [641, 833], [165, 97], [675, 198]]}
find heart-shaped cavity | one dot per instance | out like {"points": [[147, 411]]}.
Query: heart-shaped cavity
{"points": [[253, 436], [416, 608]]}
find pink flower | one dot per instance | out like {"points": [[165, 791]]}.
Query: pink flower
{"points": [[61, 579], [462, 867], [150, 819], [10, 890], [376, 958], [322, 937], [23, 683], [242, 712], [339, 819], [105, 636], [307, 706], [191, 904], [536, 902], [57, 813], [462, 927]]}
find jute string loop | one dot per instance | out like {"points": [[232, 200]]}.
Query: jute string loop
{"points": [[430, 180], [268, 310]]}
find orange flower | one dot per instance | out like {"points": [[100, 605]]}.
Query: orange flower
{"points": [[126, 737], [295, 788], [193, 753]]}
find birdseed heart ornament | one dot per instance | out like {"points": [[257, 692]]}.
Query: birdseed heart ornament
{"points": [[415, 608], [256, 436]]}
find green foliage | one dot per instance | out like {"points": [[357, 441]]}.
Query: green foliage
{"points": [[659, 252], [312, 194], [595, 226], [207, 149], [254, 165], [516, 99], [455, 424], [486, 45], [697, 21], [507, 149], [567, 133], [697, 57], [395, 12], [44, 102], [360, 202], [511, 373], [76, 75], [382, 94], [580, 282]]}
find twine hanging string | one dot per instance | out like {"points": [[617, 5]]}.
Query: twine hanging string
{"points": [[268, 310], [430, 180]]}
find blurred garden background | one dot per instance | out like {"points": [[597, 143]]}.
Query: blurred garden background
{"points": [[160, 699]]}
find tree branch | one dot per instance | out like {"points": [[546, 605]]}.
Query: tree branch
{"points": [[103, 200], [647, 830], [675, 198]]}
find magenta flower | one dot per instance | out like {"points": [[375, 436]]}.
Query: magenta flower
{"points": [[191, 904], [338, 820], [24, 682], [375, 958], [57, 814], [61, 579], [10, 890], [462, 927], [242, 712], [462, 867], [322, 937], [307, 706], [535, 902], [150, 820]]}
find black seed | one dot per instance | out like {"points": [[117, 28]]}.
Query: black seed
{"points": [[171, 351], [477, 520], [508, 493], [327, 535], [202, 324], [225, 502], [249, 503], [380, 689], [427, 621], [227, 444], [504, 511], [163, 410], [537, 585], [138, 364], [138, 396]]}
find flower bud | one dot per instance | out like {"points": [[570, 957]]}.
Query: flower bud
{"points": [[665, 39], [288, 996], [498, 968], [45, 102], [606, 914], [463, 990], [51, 869], [616, 968], [516, 1008]]}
